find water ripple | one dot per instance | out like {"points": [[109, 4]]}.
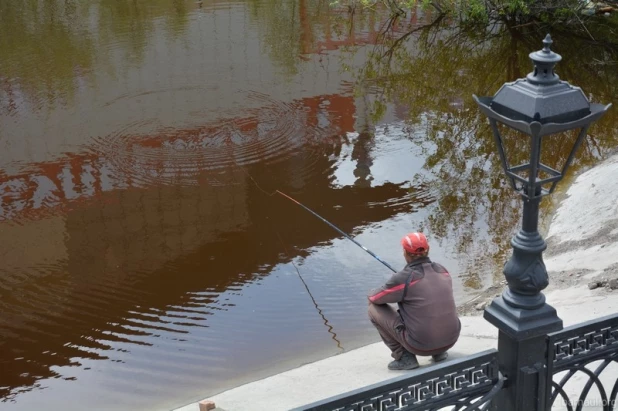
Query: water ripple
{"points": [[270, 133]]}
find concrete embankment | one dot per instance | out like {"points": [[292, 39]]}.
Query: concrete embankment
{"points": [[582, 259]]}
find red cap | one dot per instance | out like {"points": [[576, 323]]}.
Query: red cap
{"points": [[415, 243]]}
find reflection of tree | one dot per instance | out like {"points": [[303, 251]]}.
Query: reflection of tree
{"points": [[290, 29], [281, 30], [43, 48], [131, 23], [47, 46], [433, 72], [361, 153], [133, 35]]}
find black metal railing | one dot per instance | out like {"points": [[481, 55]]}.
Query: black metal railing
{"points": [[580, 354], [462, 384], [586, 350]]}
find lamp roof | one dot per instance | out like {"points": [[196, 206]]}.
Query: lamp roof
{"points": [[541, 96]]}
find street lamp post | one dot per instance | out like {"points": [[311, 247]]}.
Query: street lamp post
{"points": [[536, 106]]}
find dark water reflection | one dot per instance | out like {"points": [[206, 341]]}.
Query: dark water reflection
{"points": [[145, 261]]}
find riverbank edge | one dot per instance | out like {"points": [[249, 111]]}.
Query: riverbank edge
{"points": [[569, 292]]}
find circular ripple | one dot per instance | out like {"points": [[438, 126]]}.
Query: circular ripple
{"points": [[268, 132]]}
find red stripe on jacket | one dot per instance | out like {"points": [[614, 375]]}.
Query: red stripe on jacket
{"points": [[390, 290], [386, 292]]}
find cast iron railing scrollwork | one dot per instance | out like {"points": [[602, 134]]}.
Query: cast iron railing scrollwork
{"points": [[468, 383], [573, 351]]}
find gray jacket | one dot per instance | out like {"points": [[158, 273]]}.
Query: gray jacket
{"points": [[424, 292]]}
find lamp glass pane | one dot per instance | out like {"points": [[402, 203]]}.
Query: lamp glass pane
{"points": [[516, 147], [556, 148]]}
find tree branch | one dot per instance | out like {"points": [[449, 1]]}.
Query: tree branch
{"points": [[401, 39]]}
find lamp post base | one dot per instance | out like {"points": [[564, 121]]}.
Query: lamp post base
{"points": [[521, 348], [519, 323]]}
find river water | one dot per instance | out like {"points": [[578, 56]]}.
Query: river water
{"points": [[147, 260]]}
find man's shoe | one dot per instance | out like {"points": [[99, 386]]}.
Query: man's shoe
{"points": [[406, 362], [440, 357]]}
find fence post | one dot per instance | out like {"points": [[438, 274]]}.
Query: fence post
{"points": [[525, 367]]}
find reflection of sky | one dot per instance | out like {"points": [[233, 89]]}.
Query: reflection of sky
{"points": [[397, 154], [396, 159]]}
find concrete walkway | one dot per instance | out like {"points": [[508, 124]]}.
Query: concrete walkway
{"points": [[334, 375], [367, 365], [583, 241]]}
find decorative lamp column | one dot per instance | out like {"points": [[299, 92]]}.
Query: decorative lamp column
{"points": [[535, 107]]}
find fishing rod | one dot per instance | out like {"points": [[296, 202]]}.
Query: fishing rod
{"points": [[339, 230], [318, 216]]}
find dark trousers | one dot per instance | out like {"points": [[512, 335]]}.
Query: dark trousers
{"points": [[393, 331]]}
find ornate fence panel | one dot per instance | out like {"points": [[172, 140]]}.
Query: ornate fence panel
{"points": [[468, 383], [584, 349]]}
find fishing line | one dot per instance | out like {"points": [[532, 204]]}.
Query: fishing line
{"points": [[317, 307], [330, 327]]}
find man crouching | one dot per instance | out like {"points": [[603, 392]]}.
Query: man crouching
{"points": [[426, 322]]}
